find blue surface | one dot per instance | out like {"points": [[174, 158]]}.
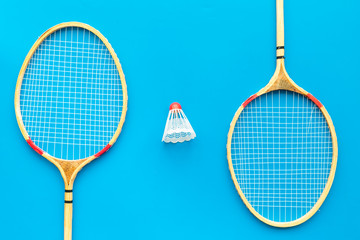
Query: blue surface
{"points": [[209, 56]]}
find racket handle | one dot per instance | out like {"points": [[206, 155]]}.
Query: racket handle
{"points": [[280, 29], [68, 210]]}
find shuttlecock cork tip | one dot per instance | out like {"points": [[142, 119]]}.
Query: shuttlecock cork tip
{"points": [[175, 105]]}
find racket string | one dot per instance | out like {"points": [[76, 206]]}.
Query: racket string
{"points": [[71, 95], [281, 154]]}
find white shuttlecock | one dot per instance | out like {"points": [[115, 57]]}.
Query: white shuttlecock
{"points": [[177, 128]]}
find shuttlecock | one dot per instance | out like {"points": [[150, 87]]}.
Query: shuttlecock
{"points": [[177, 128]]}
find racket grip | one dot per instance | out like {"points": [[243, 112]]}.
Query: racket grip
{"points": [[68, 210], [280, 29]]}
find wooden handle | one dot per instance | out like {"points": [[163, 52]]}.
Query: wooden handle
{"points": [[280, 29], [68, 209]]}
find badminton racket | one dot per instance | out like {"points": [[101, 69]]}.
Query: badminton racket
{"points": [[71, 100], [282, 148]]}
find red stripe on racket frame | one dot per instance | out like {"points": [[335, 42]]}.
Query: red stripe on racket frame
{"points": [[36, 148], [312, 98], [249, 100], [103, 150]]}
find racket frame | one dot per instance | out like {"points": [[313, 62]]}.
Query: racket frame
{"points": [[69, 168], [281, 81]]}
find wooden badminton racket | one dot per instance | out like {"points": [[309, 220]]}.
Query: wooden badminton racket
{"points": [[71, 100], [282, 148]]}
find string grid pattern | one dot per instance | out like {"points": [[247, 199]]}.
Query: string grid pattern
{"points": [[281, 153], [71, 96]]}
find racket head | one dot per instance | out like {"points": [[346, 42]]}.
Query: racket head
{"points": [[71, 95], [255, 179]]}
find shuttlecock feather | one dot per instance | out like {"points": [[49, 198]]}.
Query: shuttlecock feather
{"points": [[177, 128]]}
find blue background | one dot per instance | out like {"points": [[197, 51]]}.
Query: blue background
{"points": [[209, 56]]}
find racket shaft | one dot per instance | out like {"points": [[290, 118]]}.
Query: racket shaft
{"points": [[280, 28], [68, 210]]}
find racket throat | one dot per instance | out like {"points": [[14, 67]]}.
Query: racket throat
{"points": [[69, 170], [281, 80]]}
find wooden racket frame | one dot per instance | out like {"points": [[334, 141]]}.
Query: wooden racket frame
{"points": [[69, 168], [281, 81]]}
